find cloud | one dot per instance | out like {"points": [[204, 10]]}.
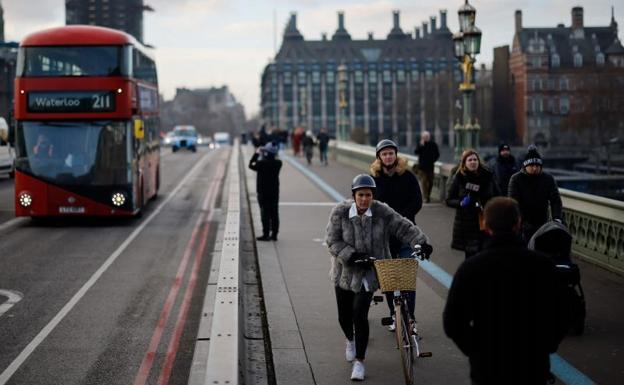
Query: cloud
{"points": [[22, 17]]}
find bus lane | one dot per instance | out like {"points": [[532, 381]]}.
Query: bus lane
{"points": [[93, 289]]}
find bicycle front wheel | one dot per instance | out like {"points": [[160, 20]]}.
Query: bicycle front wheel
{"points": [[404, 343]]}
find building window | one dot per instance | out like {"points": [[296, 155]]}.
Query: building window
{"points": [[400, 76], [564, 105], [387, 76], [564, 84], [359, 76], [372, 76], [329, 77], [600, 59], [555, 62], [316, 77], [287, 78], [578, 60], [536, 62], [302, 77]]}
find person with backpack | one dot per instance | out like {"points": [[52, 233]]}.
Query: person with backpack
{"points": [[504, 309], [503, 167]]}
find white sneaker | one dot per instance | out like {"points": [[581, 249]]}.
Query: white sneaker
{"points": [[350, 351], [392, 326], [357, 374]]}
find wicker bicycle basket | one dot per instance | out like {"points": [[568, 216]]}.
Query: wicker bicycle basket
{"points": [[396, 274]]}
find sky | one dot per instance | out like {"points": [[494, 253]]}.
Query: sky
{"points": [[204, 43]]}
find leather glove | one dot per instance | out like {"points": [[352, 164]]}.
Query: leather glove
{"points": [[465, 201], [427, 250], [357, 256]]}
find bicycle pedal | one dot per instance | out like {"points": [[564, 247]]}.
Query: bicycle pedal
{"points": [[386, 321], [425, 354]]}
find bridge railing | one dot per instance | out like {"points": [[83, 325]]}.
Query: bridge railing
{"points": [[596, 223]]}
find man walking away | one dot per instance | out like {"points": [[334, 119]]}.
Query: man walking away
{"points": [[428, 154], [323, 142], [535, 191], [266, 164], [504, 309], [503, 167]]}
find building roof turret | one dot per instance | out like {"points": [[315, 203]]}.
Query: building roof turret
{"points": [[341, 33], [291, 32]]}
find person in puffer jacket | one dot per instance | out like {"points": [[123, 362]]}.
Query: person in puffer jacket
{"points": [[535, 191], [360, 228]]}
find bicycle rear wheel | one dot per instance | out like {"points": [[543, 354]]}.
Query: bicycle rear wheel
{"points": [[404, 343]]}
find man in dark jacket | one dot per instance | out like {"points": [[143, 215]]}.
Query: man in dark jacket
{"points": [[504, 308], [535, 191], [399, 189], [428, 154], [503, 167], [323, 142], [267, 187]]}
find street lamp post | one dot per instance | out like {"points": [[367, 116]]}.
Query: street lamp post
{"points": [[467, 43], [342, 101]]}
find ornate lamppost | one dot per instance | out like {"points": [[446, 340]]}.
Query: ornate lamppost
{"points": [[342, 101], [467, 44]]}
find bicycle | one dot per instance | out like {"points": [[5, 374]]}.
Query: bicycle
{"points": [[397, 275]]}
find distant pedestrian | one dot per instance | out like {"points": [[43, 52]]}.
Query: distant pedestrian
{"points": [[469, 190], [536, 191], [323, 143], [503, 167], [398, 188], [359, 228], [266, 164], [297, 136], [428, 154], [308, 146], [504, 309]]}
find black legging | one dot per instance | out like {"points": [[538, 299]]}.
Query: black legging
{"points": [[269, 214], [353, 314]]}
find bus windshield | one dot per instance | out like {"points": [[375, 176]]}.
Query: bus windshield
{"points": [[186, 132], [79, 61], [75, 153]]}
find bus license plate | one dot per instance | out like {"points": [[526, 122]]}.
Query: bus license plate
{"points": [[71, 210]]}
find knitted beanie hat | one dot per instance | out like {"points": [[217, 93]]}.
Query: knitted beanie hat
{"points": [[532, 157]]}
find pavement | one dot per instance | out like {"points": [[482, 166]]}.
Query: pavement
{"points": [[306, 342]]}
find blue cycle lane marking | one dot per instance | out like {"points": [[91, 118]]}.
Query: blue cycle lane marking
{"points": [[567, 373]]}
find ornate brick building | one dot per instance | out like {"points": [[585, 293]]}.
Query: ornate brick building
{"points": [[395, 88], [567, 83]]}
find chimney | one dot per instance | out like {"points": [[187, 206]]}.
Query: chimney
{"points": [[370, 36], [324, 36], [433, 24], [443, 25], [577, 18], [340, 20], [293, 20], [395, 15], [416, 33], [424, 28], [518, 20]]}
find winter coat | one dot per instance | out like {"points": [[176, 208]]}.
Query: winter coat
{"points": [[503, 169], [400, 191], [364, 234], [504, 311], [323, 141], [428, 154], [480, 186], [535, 193], [267, 181]]}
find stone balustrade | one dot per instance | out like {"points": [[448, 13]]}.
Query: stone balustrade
{"points": [[596, 223]]}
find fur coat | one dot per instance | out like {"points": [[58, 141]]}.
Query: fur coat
{"points": [[364, 234]]}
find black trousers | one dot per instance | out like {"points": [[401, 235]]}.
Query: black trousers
{"points": [[269, 214], [353, 316]]}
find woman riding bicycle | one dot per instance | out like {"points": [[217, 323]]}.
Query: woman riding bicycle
{"points": [[358, 229]]}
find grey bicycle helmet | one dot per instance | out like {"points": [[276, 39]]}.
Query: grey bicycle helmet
{"points": [[385, 143], [363, 181]]}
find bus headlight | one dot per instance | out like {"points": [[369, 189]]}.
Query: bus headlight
{"points": [[25, 199], [118, 199]]}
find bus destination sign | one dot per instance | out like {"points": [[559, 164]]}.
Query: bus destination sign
{"points": [[87, 101]]}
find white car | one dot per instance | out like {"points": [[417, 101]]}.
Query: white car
{"points": [[7, 154]]}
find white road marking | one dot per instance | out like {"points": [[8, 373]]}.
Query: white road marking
{"points": [[43, 334], [302, 204], [13, 223], [13, 297]]}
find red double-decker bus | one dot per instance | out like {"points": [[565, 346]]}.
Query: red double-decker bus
{"points": [[87, 123]]}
